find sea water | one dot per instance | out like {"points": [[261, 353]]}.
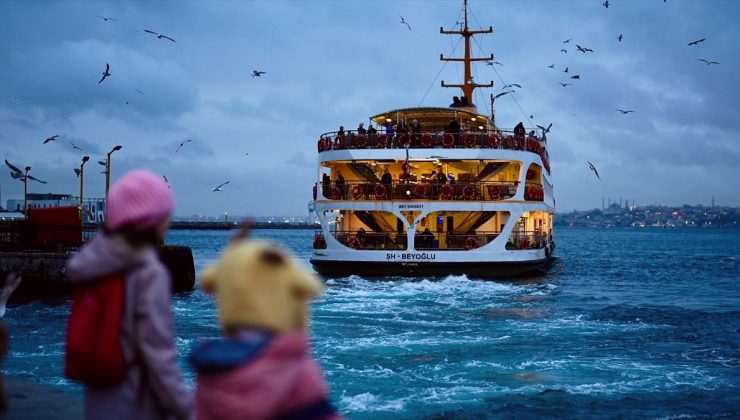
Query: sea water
{"points": [[628, 323]]}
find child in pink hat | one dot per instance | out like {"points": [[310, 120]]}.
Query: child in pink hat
{"points": [[138, 209]]}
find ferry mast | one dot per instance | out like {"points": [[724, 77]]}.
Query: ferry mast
{"points": [[468, 84]]}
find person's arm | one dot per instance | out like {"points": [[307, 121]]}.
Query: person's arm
{"points": [[155, 342]]}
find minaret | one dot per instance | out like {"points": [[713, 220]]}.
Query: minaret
{"points": [[468, 84]]}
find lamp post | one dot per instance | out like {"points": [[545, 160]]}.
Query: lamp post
{"points": [[107, 169], [82, 181], [25, 192]]}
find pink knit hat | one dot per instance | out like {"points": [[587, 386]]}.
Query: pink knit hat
{"points": [[140, 199]]}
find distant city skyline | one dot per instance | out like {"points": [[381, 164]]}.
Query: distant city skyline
{"points": [[331, 63]]}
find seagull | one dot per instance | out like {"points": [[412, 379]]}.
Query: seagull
{"points": [[74, 146], [620, 37], [139, 91], [102, 163], [566, 70], [257, 73], [531, 117], [697, 41], [593, 168], [35, 179], [551, 66], [567, 40], [493, 98], [182, 144], [218, 189], [106, 18], [52, 138], [167, 181], [77, 172], [708, 62], [14, 169], [606, 4], [624, 111], [565, 84], [576, 77], [512, 84], [564, 51], [584, 49], [545, 130], [494, 62], [158, 35], [106, 73], [403, 22]]}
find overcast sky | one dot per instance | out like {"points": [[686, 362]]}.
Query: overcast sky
{"points": [[332, 63]]}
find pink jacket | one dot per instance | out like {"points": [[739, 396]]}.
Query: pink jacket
{"points": [[276, 378]]}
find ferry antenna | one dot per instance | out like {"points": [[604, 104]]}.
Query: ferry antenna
{"points": [[468, 84]]}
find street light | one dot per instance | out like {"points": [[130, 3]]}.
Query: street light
{"points": [[25, 191], [107, 169], [82, 179]]}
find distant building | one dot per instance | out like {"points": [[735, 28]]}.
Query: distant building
{"points": [[94, 208]]}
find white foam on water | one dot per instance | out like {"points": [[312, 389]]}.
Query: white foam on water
{"points": [[369, 402]]}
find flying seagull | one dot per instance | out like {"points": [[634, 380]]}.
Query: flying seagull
{"points": [[566, 70], [14, 169], [593, 168], [52, 138], [605, 4], [106, 18], [545, 130], [403, 22], [620, 37], [494, 62], [499, 95], [576, 77], [106, 73], [102, 163], [158, 35], [139, 91], [182, 144], [77, 172], [218, 189], [708, 62], [551, 66], [74, 146], [257, 73], [565, 84], [166, 181], [624, 111], [35, 179], [512, 84], [567, 40], [584, 49], [697, 41], [564, 51]]}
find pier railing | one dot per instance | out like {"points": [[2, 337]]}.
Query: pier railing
{"points": [[465, 191], [527, 240], [21, 236], [444, 241]]}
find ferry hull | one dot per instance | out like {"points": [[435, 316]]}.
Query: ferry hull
{"points": [[482, 270]]}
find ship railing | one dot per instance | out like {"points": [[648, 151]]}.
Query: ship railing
{"points": [[534, 192], [392, 240], [527, 240], [23, 236], [420, 190], [491, 139]]}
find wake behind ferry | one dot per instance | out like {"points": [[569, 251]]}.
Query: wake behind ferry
{"points": [[433, 191]]}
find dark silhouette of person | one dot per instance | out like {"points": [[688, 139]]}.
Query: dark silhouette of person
{"points": [[326, 185], [519, 130], [454, 128], [416, 131], [340, 183], [361, 129], [386, 179], [372, 134], [361, 235]]}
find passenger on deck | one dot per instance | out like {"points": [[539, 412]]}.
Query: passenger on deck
{"points": [[401, 129], [451, 178], [371, 134], [454, 128], [389, 130], [416, 131], [340, 184], [326, 185], [361, 129], [519, 130], [361, 235], [340, 133], [386, 179], [441, 178]]}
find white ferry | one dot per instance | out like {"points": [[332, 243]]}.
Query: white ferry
{"points": [[434, 191]]}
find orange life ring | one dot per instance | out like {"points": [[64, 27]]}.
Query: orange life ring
{"points": [[380, 191], [383, 141], [420, 191], [354, 243], [494, 141], [427, 140], [469, 140], [402, 139], [445, 191], [361, 141], [336, 193], [494, 192], [469, 191], [357, 191], [471, 243], [520, 143], [509, 142], [448, 141]]}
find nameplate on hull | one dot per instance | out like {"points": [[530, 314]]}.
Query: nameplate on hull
{"points": [[410, 256], [410, 206]]}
